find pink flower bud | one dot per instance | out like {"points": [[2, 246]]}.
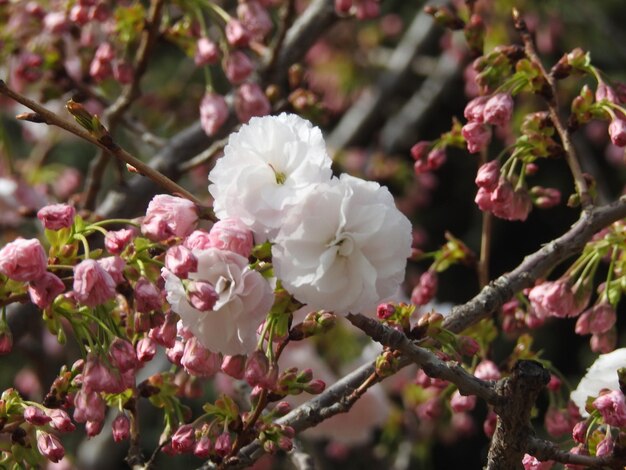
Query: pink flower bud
{"points": [[557, 422], [617, 132], [420, 150], [315, 387], [23, 260], [203, 448], [488, 175], [237, 67], [250, 101], [92, 284], [467, 346], [612, 408], [199, 361], [89, 406], [79, 14], [489, 425], [97, 376], [181, 261], [487, 370], [123, 72], [476, 135], [436, 157], [384, 311], [50, 446], [213, 112], [165, 334], [545, 198], [258, 371], [116, 241], [147, 296], [207, 52], [531, 463], [555, 383], [603, 342], [605, 446], [235, 366], [114, 266], [343, 6], [460, 403], [579, 433], [55, 22], [44, 290], [60, 420], [231, 235], [169, 216], [146, 349], [122, 355], [223, 444], [425, 289], [175, 353], [236, 34], [474, 109], [120, 428], [555, 299], [36, 416], [6, 340], [367, 9], [93, 428], [602, 318], [605, 92], [498, 109], [202, 295], [430, 410], [255, 19], [184, 439], [56, 216]]}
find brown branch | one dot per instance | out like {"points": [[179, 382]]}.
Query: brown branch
{"points": [[518, 394], [570, 152], [546, 450], [289, 13], [534, 266]]}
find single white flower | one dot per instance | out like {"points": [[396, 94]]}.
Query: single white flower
{"points": [[267, 167], [344, 247], [601, 374], [244, 298]]}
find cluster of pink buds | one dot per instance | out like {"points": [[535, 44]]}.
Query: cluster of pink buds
{"points": [[427, 158], [496, 194], [482, 111]]}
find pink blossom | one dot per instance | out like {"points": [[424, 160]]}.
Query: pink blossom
{"points": [[617, 132], [114, 266], [612, 408], [545, 198], [488, 175], [258, 371], [255, 19], [180, 260], [603, 342], [232, 235], [44, 290], [50, 446], [213, 112], [92, 284], [223, 444], [420, 150], [236, 34], [579, 433], [367, 9], [605, 446], [56, 216], [597, 320], [123, 72], [489, 425], [207, 52], [116, 240], [147, 296], [498, 109], [79, 14], [425, 289], [385, 311], [429, 410], [477, 136], [198, 240], [98, 377], [203, 448], [436, 157], [474, 109], [199, 361], [237, 67], [169, 216], [184, 438], [343, 6], [555, 299], [250, 101], [120, 428], [487, 370], [23, 260], [606, 92], [55, 22], [175, 353], [93, 428], [532, 463], [6, 341]]}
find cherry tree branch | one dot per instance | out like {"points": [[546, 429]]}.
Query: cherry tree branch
{"points": [[546, 450]]}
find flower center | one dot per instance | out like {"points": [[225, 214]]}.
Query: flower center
{"points": [[222, 285], [345, 244], [280, 177]]}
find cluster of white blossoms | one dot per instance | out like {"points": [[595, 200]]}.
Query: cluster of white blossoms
{"points": [[338, 244]]}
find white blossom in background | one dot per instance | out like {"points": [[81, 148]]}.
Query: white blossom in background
{"points": [[267, 167], [344, 247], [601, 374], [244, 298]]}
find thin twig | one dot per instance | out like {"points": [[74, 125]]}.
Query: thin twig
{"points": [[570, 152], [204, 156], [485, 239], [289, 13]]}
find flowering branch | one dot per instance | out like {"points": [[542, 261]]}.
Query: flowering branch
{"points": [[534, 266], [546, 450], [551, 98]]}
